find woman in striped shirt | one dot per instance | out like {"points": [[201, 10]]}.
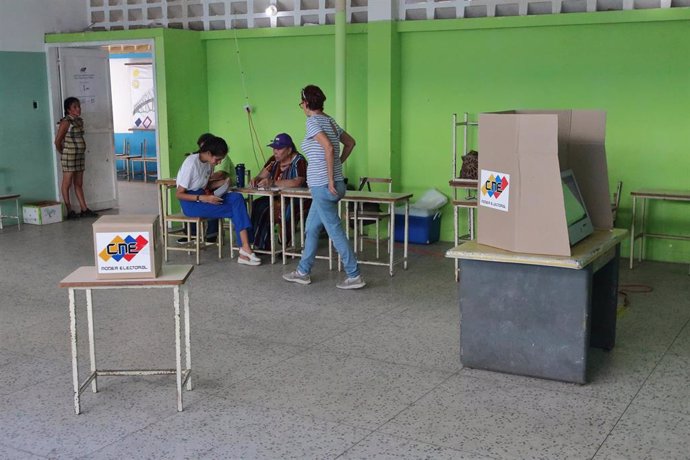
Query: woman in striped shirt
{"points": [[321, 146]]}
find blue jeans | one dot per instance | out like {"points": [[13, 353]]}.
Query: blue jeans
{"points": [[324, 213], [232, 207]]}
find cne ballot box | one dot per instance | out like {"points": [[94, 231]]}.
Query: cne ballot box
{"points": [[127, 246]]}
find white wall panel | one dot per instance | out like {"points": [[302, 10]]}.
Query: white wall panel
{"points": [[24, 22]]}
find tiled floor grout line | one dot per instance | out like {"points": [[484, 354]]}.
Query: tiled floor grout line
{"points": [[23, 450], [640, 388], [376, 430], [164, 417]]}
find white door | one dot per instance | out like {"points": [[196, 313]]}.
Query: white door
{"points": [[85, 74]]}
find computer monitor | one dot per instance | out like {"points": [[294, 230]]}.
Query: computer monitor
{"points": [[576, 216]]}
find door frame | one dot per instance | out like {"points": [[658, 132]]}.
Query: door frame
{"points": [[55, 102]]}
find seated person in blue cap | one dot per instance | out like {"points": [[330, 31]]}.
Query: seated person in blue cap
{"points": [[287, 168]]}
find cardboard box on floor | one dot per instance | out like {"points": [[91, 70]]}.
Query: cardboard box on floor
{"points": [[526, 150], [42, 212], [127, 246]]}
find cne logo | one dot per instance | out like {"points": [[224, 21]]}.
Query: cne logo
{"points": [[494, 185], [120, 248]]}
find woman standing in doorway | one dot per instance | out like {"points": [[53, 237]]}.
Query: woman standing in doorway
{"points": [[321, 145], [69, 141]]}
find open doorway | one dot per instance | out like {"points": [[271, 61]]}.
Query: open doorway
{"points": [[115, 83], [135, 125]]}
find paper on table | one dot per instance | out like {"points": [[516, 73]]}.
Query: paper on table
{"points": [[272, 189], [223, 189]]}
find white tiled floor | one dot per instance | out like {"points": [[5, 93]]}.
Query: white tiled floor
{"points": [[288, 371]]}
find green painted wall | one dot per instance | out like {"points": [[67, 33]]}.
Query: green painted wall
{"points": [[26, 156], [639, 72], [406, 79], [274, 68], [185, 94]]}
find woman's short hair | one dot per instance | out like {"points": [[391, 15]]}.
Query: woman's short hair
{"points": [[216, 146], [314, 97], [68, 103]]}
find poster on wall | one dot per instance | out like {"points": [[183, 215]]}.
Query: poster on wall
{"points": [[143, 97], [82, 86]]}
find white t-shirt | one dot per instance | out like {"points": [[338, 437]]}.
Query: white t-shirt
{"points": [[193, 174]]}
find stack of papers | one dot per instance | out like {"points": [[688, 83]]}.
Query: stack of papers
{"points": [[223, 189]]}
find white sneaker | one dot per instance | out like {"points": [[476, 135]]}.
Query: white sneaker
{"points": [[352, 283], [251, 258], [297, 277], [251, 262]]}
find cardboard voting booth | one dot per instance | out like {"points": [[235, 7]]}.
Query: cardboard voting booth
{"points": [[127, 246], [521, 156]]}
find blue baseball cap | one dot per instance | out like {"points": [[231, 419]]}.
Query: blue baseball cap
{"points": [[281, 141]]}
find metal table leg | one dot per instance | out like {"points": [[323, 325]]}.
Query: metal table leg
{"points": [[92, 340], [178, 351], [73, 334]]}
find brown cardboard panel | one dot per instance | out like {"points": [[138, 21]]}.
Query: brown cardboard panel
{"points": [[541, 221], [588, 162], [588, 126], [498, 136], [531, 147]]}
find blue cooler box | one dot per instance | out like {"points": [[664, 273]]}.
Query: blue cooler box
{"points": [[422, 230]]}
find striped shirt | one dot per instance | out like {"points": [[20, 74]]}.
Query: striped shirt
{"points": [[317, 172]]}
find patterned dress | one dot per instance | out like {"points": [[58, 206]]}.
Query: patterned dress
{"points": [[74, 146]]}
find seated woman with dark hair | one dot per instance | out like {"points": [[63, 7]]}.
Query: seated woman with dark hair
{"points": [[192, 180], [287, 168]]}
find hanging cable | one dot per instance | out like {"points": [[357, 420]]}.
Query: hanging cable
{"points": [[253, 136]]}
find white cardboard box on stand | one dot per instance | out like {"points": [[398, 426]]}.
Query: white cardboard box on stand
{"points": [[127, 246]]}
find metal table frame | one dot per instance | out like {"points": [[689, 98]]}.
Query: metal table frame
{"points": [[469, 202], [301, 194], [271, 194], [385, 198], [644, 196], [144, 161], [84, 278], [17, 216]]}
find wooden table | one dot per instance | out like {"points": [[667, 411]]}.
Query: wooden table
{"points": [[538, 315], [645, 195], [385, 198], [84, 278]]}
